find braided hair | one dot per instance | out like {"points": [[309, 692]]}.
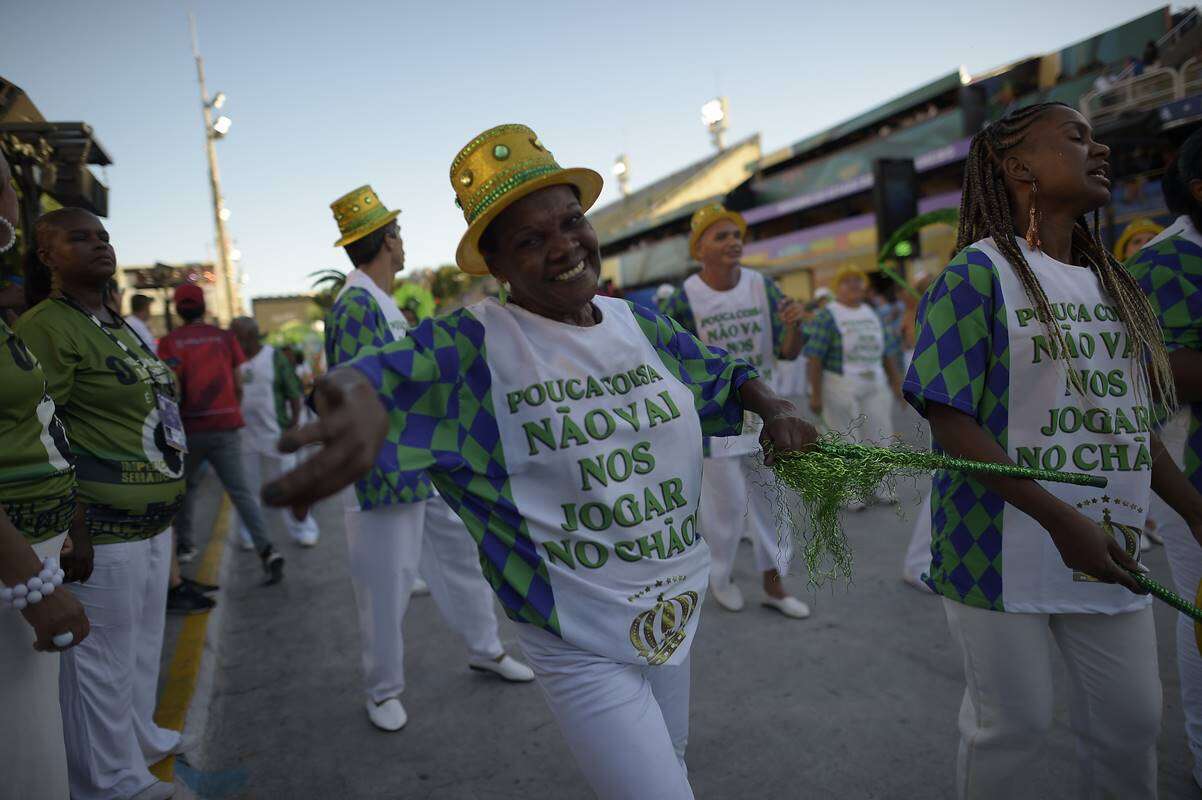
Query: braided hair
{"points": [[985, 212]]}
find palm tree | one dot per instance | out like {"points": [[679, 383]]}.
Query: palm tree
{"points": [[328, 283]]}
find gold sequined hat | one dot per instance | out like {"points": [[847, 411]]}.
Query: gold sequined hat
{"points": [[497, 168], [359, 213], [705, 217]]}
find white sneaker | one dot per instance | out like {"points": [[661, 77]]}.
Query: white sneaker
{"points": [[387, 716], [508, 668], [788, 605], [307, 540], [420, 588], [729, 596], [245, 544], [156, 791]]}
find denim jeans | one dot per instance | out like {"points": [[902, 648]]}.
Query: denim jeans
{"points": [[222, 449]]}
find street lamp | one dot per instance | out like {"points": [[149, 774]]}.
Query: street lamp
{"points": [[621, 170], [214, 130], [715, 115]]}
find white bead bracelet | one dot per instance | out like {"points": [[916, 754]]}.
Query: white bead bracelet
{"points": [[36, 588]]}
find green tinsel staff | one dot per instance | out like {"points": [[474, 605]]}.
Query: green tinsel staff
{"points": [[834, 473]]}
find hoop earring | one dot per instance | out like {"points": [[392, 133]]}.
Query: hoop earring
{"points": [[1033, 223]]}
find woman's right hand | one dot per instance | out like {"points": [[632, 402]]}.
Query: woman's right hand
{"points": [[351, 427], [56, 614], [1085, 547], [815, 404]]}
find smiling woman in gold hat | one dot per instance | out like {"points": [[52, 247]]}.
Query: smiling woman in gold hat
{"points": [[565, 430]]}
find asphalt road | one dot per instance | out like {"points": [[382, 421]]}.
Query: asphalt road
{"points": [[859, 701]]}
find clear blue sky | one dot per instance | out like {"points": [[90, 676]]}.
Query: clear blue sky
{"points": [[325, 96]]}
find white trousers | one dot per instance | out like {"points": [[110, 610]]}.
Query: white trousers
{"points": [[386, 547], [860, 408], [1185, 566], [262, 468], [155, 742], [99, 676], [1114, 700], [918, 553], [735, 498], [626, 725], [32, 760]]}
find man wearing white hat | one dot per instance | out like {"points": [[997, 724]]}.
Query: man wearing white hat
{"points": [[395, 522]]}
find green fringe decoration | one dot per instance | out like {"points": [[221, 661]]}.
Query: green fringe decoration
{"points": [[834, 474]]}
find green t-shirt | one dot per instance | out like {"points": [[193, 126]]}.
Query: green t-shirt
{"points": [[129, 477], [37, 482]]}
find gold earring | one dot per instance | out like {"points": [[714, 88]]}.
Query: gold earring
{"points": [[1033, 223]]}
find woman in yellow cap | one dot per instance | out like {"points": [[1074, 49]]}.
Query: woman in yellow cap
{"points": [[853, 375], [565, 429], [1134, 237]]}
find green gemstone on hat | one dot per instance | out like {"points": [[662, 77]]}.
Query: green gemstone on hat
{"points": [[500, 152]]}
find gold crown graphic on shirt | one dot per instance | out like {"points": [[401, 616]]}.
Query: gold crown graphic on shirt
{"points": [[660, 630], [1129, 534]]}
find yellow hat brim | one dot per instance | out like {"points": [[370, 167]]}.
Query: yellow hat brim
{"points": [[359, 234], [733, 216], [587, 182]]}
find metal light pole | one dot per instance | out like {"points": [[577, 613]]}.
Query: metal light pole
{"points": [[214, 130]]}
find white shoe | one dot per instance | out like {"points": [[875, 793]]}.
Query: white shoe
{"points": [[156, 791], [508, 668], [307, 540], [788, 605], [246, 545], [729, 596], [1145, 543], [387, 716], [420, 588]]}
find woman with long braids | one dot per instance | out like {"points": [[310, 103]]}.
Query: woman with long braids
{"points": [[117, 400], [1169, 270], [1034, 300]]}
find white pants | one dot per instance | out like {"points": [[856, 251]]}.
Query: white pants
{"points": [[918, 554], [32, 760], [262, 468], [1185, 566], [386, 547], [847, 398], [626, 725], [735, 497], [155, 742], [98, 678], [1114, 700]]}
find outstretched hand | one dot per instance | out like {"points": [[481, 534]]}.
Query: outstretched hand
{"points": [[1085, 547], [351, 426]]}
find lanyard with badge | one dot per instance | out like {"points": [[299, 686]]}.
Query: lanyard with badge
{"points": [[157, 375]]}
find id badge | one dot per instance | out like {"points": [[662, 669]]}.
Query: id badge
{"points": [[173, 427]]}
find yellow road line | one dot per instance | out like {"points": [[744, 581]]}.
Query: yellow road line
{"points": [[184, 669]]}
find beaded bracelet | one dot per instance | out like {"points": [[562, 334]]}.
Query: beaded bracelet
{"points": [[36, 588]]}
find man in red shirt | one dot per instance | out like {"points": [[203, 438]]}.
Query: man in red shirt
{"points": [[205, 359]]}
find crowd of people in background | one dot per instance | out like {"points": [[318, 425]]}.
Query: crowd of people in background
{"points": [[111, 436]]}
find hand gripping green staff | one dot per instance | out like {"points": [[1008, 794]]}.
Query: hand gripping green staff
{"points": [[834, 473]]}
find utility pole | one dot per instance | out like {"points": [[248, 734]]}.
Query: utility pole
{"points": [[213, 132]]}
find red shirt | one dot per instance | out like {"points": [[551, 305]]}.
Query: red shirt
{"points": [[204, 358]]}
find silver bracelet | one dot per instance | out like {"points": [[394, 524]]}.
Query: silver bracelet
{"points": [[12, 235]]}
